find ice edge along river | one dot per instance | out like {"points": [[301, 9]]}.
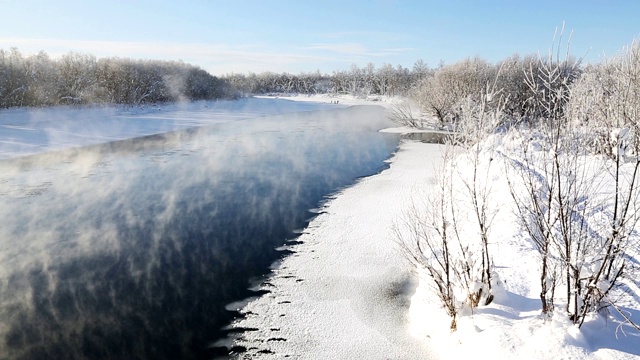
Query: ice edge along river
{"points": [[345, 292]]}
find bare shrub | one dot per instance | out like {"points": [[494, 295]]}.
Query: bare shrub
{"points": [[408, 114], [448, 236], [429, 235], [561, 197]]}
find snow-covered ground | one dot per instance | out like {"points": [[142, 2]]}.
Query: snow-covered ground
{"points": [[339, 99], [512, 326], [343, 294]]}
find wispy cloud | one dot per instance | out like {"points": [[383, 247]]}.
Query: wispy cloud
{"points": [[357, 49], [151, 49], [345, 48], [368, 36]]}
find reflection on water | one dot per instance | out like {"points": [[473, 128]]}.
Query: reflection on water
{"points": [[130, 250]]}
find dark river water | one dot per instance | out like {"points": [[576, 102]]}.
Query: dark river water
{"points": [[132, 249]]}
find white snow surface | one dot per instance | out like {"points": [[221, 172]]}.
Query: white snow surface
{"points": [[339, 99], [344, 293]]}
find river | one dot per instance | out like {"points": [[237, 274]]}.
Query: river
{"points": [[133, 248]]}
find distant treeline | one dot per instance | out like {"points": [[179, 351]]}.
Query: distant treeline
{"points": [[359, 81], [38, 80], [441, 92]]}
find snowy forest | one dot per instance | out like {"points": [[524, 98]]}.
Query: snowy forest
{"points": [[74, 79], [368, 80]]}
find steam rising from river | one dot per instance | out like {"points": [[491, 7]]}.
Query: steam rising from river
{"points": [[125, 250]]}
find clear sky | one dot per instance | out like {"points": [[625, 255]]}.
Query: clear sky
{"points": [[300, 35]]}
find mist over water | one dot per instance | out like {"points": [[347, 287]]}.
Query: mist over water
{"points": [[27, 131], [132, 249]]}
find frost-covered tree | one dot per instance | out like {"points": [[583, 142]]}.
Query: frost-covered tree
{"points": [[442, 93], [510, 80], [38, 80], [77, 76], [607, 98], [420, 71], [357, 81]]}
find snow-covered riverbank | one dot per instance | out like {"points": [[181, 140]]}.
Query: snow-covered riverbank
{"points": [[347, 292], [344, 293]]}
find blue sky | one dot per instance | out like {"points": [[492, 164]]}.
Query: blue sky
{"points": [[300, 35]]}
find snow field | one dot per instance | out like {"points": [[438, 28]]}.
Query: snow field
{"points": [[339, 99]]}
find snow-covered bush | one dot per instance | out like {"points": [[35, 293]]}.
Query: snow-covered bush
{"points": [[407, 113], [439, 237], [607, 99], [448, 237], [578, 209]]}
